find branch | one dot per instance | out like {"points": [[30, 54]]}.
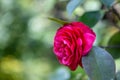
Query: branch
{"points": [[111, 46]]}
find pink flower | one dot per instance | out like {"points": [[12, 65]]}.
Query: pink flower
{"points": [[71, 42]]}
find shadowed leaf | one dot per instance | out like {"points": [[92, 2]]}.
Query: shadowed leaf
{"points": [[91, 18], [108, 3], [72, 5], [114, 45], [99, 64]]}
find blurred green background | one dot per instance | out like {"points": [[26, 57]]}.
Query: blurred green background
{"points": [[26, 39]]}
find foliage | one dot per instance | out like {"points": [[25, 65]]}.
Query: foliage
{"points": [[114, 42], [72, 5], [26, 35], [95, 64], [93, 18]]}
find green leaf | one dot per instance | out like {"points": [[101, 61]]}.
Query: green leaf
{"points": [[99, 64], [108, 3], [72, 5], [114, 45], [58, 20], [60, 74], [118, 75], [91, 18]]}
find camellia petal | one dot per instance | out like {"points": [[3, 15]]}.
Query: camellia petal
{"points": [[71, 42], [89, 39]]}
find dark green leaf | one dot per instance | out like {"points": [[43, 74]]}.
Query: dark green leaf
{"points": [[58, 20], [99, 64], [114, 45], [91, 18], [72, 5], [108, 3]]}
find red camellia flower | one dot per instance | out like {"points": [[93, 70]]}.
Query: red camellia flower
{"points": [[71, 42]]}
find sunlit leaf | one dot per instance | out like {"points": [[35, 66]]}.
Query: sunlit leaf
{"points": [[108, 3], [114, 45], [58, 20], [99, 64], [72, 5], [91, 18]]}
